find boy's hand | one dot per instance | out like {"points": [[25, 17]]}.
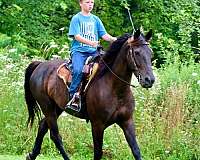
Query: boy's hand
{"points": [[113, 39], [81, 39], [109, 38], [94, 44]]}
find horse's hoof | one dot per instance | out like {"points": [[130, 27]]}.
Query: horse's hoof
{"points": [[28, 157]]}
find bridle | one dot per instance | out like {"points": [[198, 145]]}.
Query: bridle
{"points": [[131, 54], [133, 57], [122, 80]]}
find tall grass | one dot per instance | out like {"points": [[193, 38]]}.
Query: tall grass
{"points": [[168, 114], [167, 117]]}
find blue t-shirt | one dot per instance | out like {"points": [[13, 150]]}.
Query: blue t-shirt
{"points": [[89, 27]]}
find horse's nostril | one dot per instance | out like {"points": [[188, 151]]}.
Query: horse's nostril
{"points": [[147, 80]]}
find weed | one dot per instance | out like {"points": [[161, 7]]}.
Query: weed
{"points": [[167, 117]]}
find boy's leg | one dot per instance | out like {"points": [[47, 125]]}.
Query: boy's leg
{"points": [[78, 61]]}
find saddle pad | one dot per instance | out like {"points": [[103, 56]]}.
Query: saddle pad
{"points": [[91, 75], [64, 73]]}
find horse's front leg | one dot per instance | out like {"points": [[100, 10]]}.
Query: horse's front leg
{"points": [[97, 133], [129, 132]]}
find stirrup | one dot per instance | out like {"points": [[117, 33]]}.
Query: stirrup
{"points": [[74, 103]]}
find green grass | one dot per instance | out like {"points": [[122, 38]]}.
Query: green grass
{"points": [[8, 157], [167, 119]]}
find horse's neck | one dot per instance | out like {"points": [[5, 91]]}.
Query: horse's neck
{"points": [[120, 68]]}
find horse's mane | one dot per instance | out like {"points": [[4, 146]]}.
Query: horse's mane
{"points": [[111, 54]]}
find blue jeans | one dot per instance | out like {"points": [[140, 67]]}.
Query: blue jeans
{"points": [[78, 61]]}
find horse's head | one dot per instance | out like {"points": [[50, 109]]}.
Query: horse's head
{"points": [[139, 58]]}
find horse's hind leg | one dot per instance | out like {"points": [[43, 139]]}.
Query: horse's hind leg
{"points": [[42, 130], [129, 132], [54, 134]]}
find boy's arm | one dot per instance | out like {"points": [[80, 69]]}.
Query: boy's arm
{"points": [[109, 38], [81, 39]]}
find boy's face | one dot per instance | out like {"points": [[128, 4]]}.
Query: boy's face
{"points": [[87, 5]]}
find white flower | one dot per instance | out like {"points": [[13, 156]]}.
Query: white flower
{"points": [[62, 29], [9, 66], [167, 151], [65, 46], [12, 50], [64, 114], [194, 74], [52, 43], [198, 82], [55, 57], [54, 46]]}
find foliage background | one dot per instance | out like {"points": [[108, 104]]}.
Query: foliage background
{"points": [[34, 24], [167, 116]]}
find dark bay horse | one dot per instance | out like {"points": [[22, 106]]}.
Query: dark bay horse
{"points": [[109, 98]]}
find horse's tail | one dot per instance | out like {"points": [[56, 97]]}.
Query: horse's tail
{"points": [[30, 100]]}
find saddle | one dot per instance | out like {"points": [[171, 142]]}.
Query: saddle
{"points": [[89, 71]]}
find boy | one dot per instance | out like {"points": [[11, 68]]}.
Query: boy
{"points": [[86, 29]]}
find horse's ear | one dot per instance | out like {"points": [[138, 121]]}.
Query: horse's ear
{"points": [[137, 34], [148, 35]]}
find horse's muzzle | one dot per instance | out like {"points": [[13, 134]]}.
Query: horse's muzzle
{"points": [[147, 81]]}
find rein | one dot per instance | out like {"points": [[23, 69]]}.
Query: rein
{"points": [[122, 80]]}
